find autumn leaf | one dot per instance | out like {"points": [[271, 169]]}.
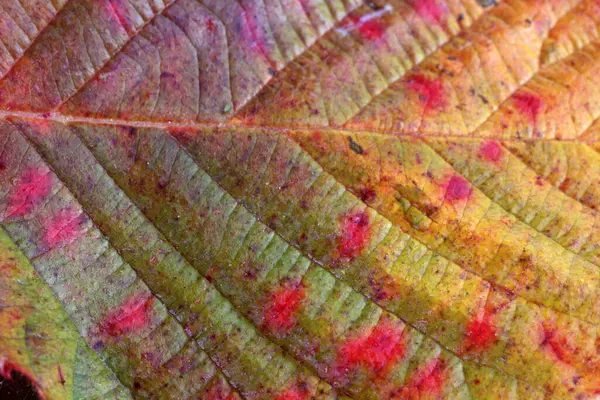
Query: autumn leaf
{"points": [[299, 199]]}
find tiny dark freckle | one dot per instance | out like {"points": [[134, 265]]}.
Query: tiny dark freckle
{"points": [[461, 17], [528, 21], [476, 382], [272, 72], [354, 146], [167, 75], [372, 5], [487, 3], [136, 385]]}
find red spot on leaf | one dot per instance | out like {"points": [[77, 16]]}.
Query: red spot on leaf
{"points": [[377, 351], [367, 195], [557, 345], [528, 104], [355, 235], [133, 315], [481, 334], [294, 393], [426, 381], [431, 91], [491, 150], [34, 185], [458, 189], [211, 25], [369, 26], [63, 228], [432, 11], [282, 306]]}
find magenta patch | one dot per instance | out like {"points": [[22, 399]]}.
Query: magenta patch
{"points": [[481, 334], [33, 187], [294, 393], [558, 347], [431, 10], [132, 316], [458, 189], [377, 351], [64, 228], [428, 380], [528, 104], [370, 26], [431, 91], [282, 306], [491, 151], [355, 234]]}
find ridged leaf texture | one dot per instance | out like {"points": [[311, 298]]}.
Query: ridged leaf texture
{"points": [[300, 199]]}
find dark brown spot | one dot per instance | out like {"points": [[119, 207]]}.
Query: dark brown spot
{"points": [[487, 3], [355, 147]]}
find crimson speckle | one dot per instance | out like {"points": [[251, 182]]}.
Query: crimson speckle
{"points": [[432, 11], [377, 351], [368, 195], [558, 346], [368, 28], [294, 393], [491, 150], [528, 104], [33, 187], [481, 334], [427, 381], [63, 228], [355, 233], [282, 306], [131, 316], [431, 91], [458, 189]]}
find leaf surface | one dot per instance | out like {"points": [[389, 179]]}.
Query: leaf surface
{"points": [[300, 199]]}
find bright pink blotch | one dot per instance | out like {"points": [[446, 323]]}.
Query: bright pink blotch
{"points": [[131, 316], [280, 313], [458, 189], [378, 351], [63, 228], [491, 150], [528, 104], [355, 235], [34, 185], [293, 394], [427, 381], [481, 334], [369, 28], [431, 10], [430, 91]]}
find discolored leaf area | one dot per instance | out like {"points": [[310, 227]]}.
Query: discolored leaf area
{"points": [[299, 199]]}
